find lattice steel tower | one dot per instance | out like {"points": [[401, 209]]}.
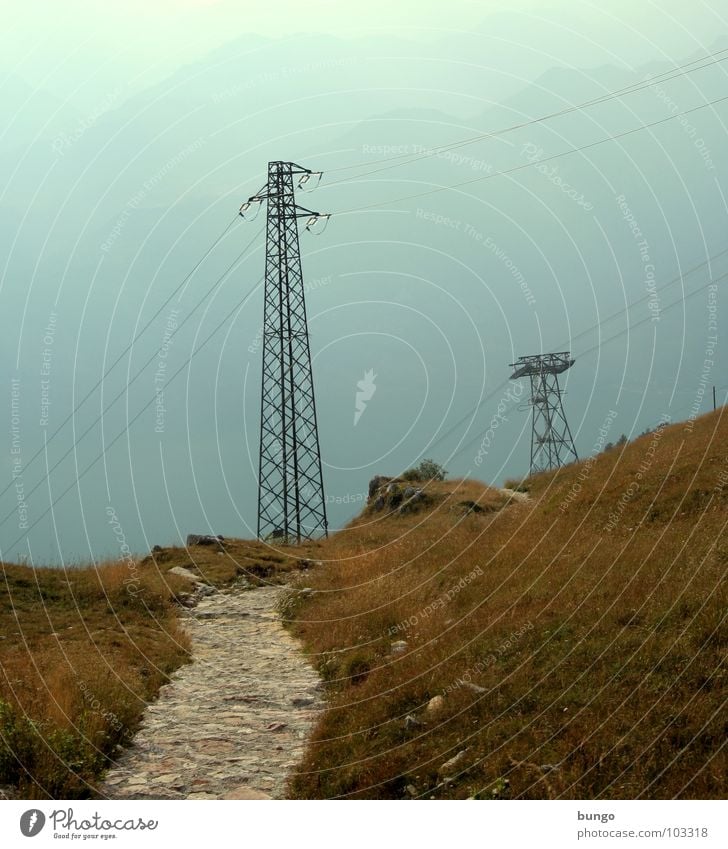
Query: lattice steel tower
{"points": [[551, 442], [291, 502]]}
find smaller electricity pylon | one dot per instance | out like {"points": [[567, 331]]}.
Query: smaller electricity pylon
{"points": [[551, 442]]}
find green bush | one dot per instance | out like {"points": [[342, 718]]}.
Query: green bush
{"points": [[428, 470]]}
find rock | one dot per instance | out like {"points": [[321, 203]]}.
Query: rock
{"points": [[375, 484], [399, 646], [169, 779], [451, 766], [185, 573], [245, 791], [205, 539], [202, 590], [411, 790], [276, 726], [473, 687], [436, 705], [411, 721], [411, 501]]}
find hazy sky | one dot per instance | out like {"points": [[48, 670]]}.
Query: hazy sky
{"points": [[133, 130], [140, 41]]}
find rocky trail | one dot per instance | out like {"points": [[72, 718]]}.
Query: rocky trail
{"points": [[232, 723]]}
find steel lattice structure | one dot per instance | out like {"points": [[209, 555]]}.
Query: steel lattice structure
{"points": [[291, 501], [551, 442]]}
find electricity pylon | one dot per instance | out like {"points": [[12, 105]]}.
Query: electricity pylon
{"points": [[291, 501], [551, 442]]}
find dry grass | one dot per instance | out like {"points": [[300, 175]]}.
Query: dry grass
{"points": [[82, 651], [593, 656]]}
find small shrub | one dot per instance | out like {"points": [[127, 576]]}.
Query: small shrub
{"points": [[357, 669], [428, 470]]}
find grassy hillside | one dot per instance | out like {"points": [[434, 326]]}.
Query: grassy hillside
{"points": [[83, 650], [475, 644], [570, 646]]}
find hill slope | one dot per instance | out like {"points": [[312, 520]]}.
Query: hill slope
{"points": [[570, 646], [474, 644]]}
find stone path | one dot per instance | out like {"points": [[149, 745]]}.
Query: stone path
{"points": [[233, 723]]}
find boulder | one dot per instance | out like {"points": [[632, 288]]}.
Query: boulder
{"points": [[205, 539], [435, 706], [185, 573], [375, 484], [411, 500]]}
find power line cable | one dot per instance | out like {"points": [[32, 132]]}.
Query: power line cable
{"points": [[631, 89], [599, 345], [124, 430], [531, 163], [126, 350], [125, 390], [665, 76], [678, 279], [239, 306]]}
